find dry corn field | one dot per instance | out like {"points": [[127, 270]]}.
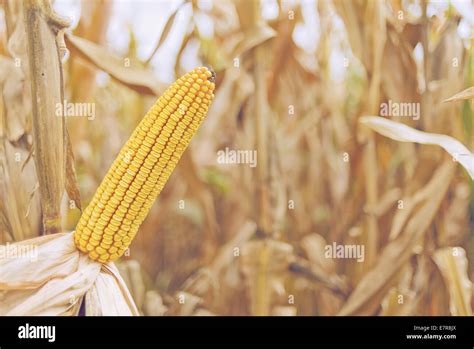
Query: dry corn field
{"points": [[236, 157]]}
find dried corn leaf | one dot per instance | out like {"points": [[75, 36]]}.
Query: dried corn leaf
{"points": [[165, 33], [401, 216], [351, 13], [205, 282], [403, 133], [321, 269], [153, 305], [14, 94], [466, 94], [397, 303], [398, 58], [254, 37], [93, 24], [367, 296], [21, 211], [452, 262], [139, 79]]}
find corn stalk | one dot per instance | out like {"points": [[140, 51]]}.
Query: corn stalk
{"points": [[49, 133]]}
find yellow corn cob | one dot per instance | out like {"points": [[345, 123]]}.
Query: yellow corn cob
{"points": [[123, 199]]}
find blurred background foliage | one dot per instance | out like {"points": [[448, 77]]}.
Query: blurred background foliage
{"points": [[293, 78]]}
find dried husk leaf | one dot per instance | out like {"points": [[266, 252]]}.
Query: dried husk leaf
{"points": [[133, 278], [53, 277], [45, 283], [109, 296]]}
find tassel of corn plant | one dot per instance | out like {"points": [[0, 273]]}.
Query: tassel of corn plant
{"points": [[123, 199]]}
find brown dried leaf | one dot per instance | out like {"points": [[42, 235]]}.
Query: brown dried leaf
{"points": [[252, 38], [393, 306], [453, 263], [21, 212], [153, 305], [351, 13], [164, 34], [185, 304], [465, 94], [314, 246], [366, 297], [14, 99], [204, 282], [399, 71], [139, 79], [93, 23]]}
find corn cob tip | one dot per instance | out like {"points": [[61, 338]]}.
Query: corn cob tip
{"points": [[213, 77], [111, 220]]}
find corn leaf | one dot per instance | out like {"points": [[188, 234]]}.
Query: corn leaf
{"points": [[403, 133], [466, 94], [452, 263], [139, 79], [367, 296]]}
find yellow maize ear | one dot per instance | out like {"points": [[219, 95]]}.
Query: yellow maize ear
{"points": [[122, 201]]}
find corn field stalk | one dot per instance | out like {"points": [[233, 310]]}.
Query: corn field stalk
{"points": [[49, 131], [425, 100], [262, 304]]}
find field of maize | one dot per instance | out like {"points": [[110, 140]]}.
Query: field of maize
{"points": [[236, 157]]}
